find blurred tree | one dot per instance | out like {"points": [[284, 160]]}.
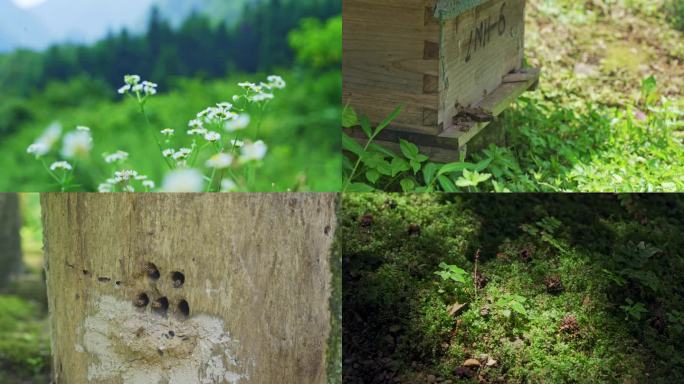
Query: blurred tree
{"points": [[10, 241]]}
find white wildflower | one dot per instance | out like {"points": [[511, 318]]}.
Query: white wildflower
{"points": [[253, 151], [82, 128], [240, 122], [212, 136], [115, 157], [183, 180], [61, 165], [140, 177], [149, 184], [228, 185], [167, 132], [168, 152], [105, 188], [45, 142], [225, 106], [149, 88], [124, 176], [236, 98], [197, 131], [259, 97], [182, 153], [237, 143], [38, 149], [220, 161], [195, 124], [123, 90], [131, 79], [250, 86], [205, 113], [276, 82], [77, 143], [137, 88]]}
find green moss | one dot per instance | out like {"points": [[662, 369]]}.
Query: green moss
{"points": [[24, 338], [389, 280]]}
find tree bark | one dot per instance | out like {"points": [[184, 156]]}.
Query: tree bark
{"points": [[10, 241], [189, 288]]}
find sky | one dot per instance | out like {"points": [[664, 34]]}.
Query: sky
{"points": [[26, 4]]}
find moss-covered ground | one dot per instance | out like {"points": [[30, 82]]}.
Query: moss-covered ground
{"points": [[513, 288]]}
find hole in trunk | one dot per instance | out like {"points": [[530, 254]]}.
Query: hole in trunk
{"points": [[178, 279], [152, 271], [161, 305], [184, 308], [141, 301]]}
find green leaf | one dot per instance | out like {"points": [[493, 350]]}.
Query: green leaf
{"points": [[384, 167], [347, 164], [351, 145], [399, 165], [421, 158], [517, 307], [482, 165], [360, 187], [365, 125], [380, 149], [447, 184], [407, 185], [453, 167], [429, 171], [409, 150], [349, 118], [472, 179], [415, 165], [372, 176], [388, 120]]}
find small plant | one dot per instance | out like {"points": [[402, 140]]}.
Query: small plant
{"points": [[217, 158], [510, 305], [372, 167], [633, 310], [452, 273]]}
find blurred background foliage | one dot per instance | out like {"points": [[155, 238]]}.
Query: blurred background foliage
{"points": [[197, 62], [24, 334]]}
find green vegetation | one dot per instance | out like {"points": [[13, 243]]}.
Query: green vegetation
{"points": [[608, 115], [534, 288]]}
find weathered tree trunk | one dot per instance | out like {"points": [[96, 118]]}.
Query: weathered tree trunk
{"points": [[189, 288], [10, 241]]}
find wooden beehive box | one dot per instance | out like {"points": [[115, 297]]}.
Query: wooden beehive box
{"points": [[453, 64]]}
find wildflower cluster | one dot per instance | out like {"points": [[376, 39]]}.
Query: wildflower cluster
{"points": [[76, 145], [212, 155]]}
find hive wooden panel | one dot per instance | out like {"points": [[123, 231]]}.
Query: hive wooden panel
{"points": [[479, 47], [388, 50], [440, 59]]}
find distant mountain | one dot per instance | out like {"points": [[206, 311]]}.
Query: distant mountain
{"points": [[19, 27], [85, 21], [218, 10]]}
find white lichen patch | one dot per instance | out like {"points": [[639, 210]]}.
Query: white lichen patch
{"points": [[142, 347]]}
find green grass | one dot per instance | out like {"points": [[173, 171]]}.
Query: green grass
{"points": [[24, 341], [300, 130], [605, 249]]}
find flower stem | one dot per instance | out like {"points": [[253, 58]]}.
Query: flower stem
{"points": [[156, 139]]}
